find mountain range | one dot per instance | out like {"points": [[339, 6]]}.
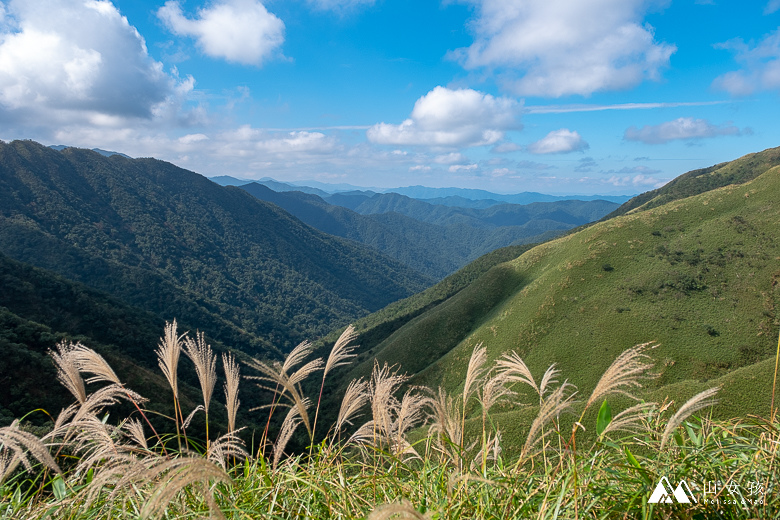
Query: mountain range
{"points": [[433, 239], [691, 267], [105, 249]]}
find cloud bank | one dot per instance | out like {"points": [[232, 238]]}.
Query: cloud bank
{"points": [[683, 128], [77, 60], [554, 48]]}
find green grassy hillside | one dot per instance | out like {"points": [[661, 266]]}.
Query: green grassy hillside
{"points": [[698, 275]]}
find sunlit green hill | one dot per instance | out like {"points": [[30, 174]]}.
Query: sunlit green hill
{"points": [[699, 275]]}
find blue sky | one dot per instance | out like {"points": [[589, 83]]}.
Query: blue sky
{"points": [[556, 96]]}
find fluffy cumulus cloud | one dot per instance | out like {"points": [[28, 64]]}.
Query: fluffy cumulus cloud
{"points": [[451, 118], [760, 66], [240, 31], [683, 128], [555, 48], [559, 141], [76, 58]]}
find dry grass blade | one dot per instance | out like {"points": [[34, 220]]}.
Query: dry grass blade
{"points": [[554, 405], [695, 403], [205, 365], [624, 374], [232, 378], [87, 360], [19, 443], [517, 371], [355, 397], [168, 352], [68, 372], [341, 351]]}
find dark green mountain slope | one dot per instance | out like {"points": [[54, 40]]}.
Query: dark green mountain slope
{"points": [[456, 235], [699, 275], [172, 242]]}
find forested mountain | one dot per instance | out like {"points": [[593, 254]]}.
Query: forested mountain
{"points": [[694, 270], [171, 242], [434, 239]]}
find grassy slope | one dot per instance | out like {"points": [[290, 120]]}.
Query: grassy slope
{"points": [[698, 275]]}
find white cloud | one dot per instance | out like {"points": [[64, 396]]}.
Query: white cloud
{"points": [[451, 158], [507, 147], [553, 48], [760, 66], [306, 142], [462, 167], [240, 31], [683, 128], [559, 141], [61, 59], [772, 6], [636, 181], [339, 5], [451, 118], [419, 168]]}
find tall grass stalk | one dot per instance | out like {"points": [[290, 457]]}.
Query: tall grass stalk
{"points": [[420, 454]]}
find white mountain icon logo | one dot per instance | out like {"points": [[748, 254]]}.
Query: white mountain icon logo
{"points": [[663, 493]]}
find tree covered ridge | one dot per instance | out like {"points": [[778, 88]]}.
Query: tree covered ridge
{"points": [[173, 242]]}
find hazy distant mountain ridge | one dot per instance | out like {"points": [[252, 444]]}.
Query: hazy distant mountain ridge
{"points": [[433, 239]]}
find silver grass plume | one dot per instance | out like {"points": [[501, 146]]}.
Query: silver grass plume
{"points": [[623, 375], [355, 397], [342, 351], [89, 361], [68, 372], [695, 403], [232, 378], [559, 401], [402, 510], [16, 446], [633, 419], [205, 365], [291, 422], [168, 353], [174, 475]]}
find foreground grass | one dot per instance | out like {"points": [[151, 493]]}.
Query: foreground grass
{"points": [[423, 455]]}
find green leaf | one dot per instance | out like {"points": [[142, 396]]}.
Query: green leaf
{"points": [[604, 418], [58, 488]]}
